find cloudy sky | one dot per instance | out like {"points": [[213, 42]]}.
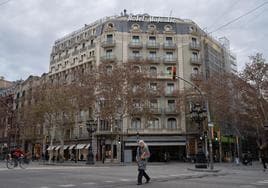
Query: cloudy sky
{"points": [[28, 28]]}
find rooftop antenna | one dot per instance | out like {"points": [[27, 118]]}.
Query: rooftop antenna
{"points": [[170, 13]]}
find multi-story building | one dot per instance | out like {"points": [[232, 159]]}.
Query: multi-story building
{"points": [[163, 42]]}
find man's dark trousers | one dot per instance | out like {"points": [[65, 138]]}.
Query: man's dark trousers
{"points": [[142, 173]]}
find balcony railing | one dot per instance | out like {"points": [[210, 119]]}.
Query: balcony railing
{"points": [[153, 59], [135, 45], [171, 110], [108, 58], [195, 61], [135, 58], [152, 45], [83, 49], [156, 110], [194, 46], [108, 44], [66, 56], [169, 46], [170, 60], [75, 52]]}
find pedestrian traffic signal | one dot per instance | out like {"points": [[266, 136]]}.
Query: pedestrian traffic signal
{"points": [[174, 73], [119, 139]]}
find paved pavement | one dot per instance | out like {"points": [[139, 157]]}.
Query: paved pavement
{"points": [[102, 176]]}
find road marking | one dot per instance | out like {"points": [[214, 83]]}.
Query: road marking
{"points": [[89, 183], [125, 180], [68, 185], [44, 187], [108, 181], [263, 182]]}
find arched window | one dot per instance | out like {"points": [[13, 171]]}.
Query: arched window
{"points": [[136, 69], [171, 123], [169, 70], [195, 70], [154, 123], [136, 123], [153, 71]]}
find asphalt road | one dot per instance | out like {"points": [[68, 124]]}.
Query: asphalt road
{"points": [[163, 175]]}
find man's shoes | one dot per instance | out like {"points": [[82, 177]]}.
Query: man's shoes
{"points": [[148, 180]]}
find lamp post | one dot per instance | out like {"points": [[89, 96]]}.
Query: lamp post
{"points": [[198, 115], [91, 128]]}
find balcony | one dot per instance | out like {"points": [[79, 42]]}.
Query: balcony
{"points": [[194, 46], [135, 45], [171, 92], [66, 56], [108, 44], [108, 58], [75, 52], [152, 45], [169, 46], [171, 110], [196, 77], [195, 61], [135, 58], [155, 110], [83, 49], [153, 59], [170, 60]]}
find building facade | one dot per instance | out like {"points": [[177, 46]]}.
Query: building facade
{"points": [[160, 42]]}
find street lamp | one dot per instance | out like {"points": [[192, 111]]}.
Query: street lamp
{"points": [[198, 115], [91, 128]]}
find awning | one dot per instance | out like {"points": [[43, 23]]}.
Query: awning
{"points": [[58, 147], [50, 148], [158, 144], [87, 146], [80, 146], [65, 146], [71, 147]]}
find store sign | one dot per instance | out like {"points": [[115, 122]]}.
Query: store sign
{"points": [[143, 18]]}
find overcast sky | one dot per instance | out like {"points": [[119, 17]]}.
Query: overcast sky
{"points": [[28, 28]]}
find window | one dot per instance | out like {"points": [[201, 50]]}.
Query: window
{"points": [[83, 45], [169, 56], [110, 25], [136, 69], [91, 42], [136, 123], [109, 53], [153, 86], [135, 39], [153, 71], [171, 105], [195, 70], [172, 123], [109, 69], [152, 39], [168, 40], [194, 40], [154, 104], [169, 70], [109, 38], [136, 53], [195, 55], [152, 55], [154, 124], [170, 88]]}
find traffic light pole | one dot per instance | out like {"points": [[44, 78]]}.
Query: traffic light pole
{"points": [[174, 76]]}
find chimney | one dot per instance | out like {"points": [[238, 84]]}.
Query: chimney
{"points": [[125, 12]]}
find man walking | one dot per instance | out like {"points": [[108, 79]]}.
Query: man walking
{"points": [[142, 156]]}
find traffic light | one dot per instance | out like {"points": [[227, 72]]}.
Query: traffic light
{"points": [[119, 140], [174, 73]]}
